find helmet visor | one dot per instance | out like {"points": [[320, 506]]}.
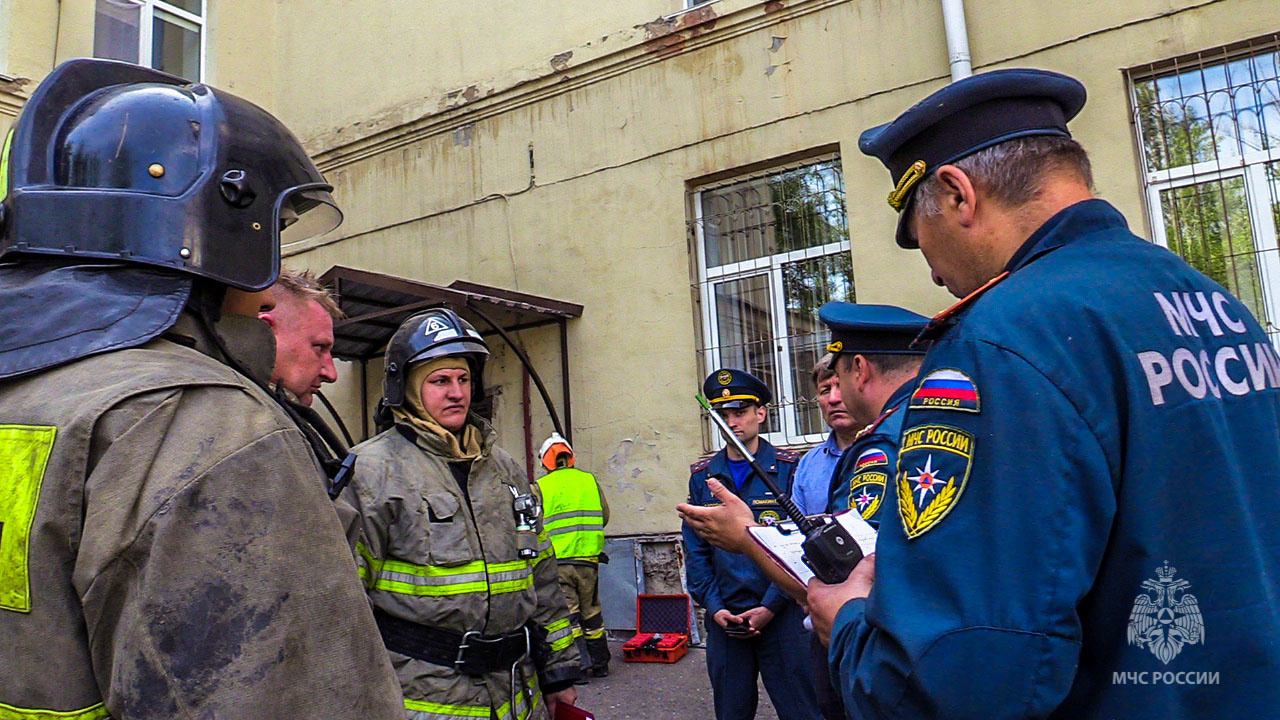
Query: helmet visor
{"points": [[306, 212]]}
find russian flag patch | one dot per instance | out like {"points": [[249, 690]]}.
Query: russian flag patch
{"points": [[870, 458], [947, 389]]}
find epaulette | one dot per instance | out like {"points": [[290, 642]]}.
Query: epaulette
{"points": [[946, 318], [790, 456], [700, 465], [872, 427]]}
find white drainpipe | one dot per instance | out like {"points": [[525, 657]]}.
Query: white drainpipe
{"points": [[957, 39]]}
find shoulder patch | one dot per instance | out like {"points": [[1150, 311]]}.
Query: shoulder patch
{"points": [[946, 389], [933, 470], [700, 465], [866, 491], [788, 456]]}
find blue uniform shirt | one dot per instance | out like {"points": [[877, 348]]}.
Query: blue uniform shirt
{"points": [[861, 478], [1086, 512], [813, 476], [718, 579]]}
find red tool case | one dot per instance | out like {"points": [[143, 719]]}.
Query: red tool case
{"points": [[662, 629]]}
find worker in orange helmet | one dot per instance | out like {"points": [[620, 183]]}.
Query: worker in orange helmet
{"points": [[575, 513]]}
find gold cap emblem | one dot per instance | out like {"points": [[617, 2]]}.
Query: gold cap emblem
{"points": [[724, 392], [913, 175], [724, 377]]}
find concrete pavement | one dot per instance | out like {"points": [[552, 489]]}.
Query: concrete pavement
{"points": [[657, 691]]}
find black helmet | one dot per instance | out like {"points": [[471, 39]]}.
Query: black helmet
{"points": [[114, 161], [434, 333]]}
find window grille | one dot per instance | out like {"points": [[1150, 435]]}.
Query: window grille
{"points": [[771, 248], [1208, 129]]}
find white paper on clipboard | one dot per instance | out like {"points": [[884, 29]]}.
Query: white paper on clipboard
{"points": [[782, 542]]}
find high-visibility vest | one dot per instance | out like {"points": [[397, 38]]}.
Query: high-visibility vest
{"points": [[572, 513]]}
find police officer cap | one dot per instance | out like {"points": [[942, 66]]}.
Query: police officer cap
{"points": [[728, 388], [965, 117], [871, 329]]}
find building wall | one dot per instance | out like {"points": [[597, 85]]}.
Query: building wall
{"points": [[552, 151], [36, 35], [570, 178]]}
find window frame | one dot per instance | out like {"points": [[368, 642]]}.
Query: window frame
{"points": [[146, 32], [788, 435], [1250, 166]]}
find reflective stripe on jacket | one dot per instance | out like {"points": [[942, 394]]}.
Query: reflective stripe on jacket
{"points": [[573, 513], [430, 555], [173, 554]]}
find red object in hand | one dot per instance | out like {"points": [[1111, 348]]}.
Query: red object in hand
{"points": [[565, 711]]}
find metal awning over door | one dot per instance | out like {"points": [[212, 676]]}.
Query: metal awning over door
{"points": [[375, 304]]}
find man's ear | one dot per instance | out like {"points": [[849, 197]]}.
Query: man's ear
{"points": [[269, 318], [959, 196]]}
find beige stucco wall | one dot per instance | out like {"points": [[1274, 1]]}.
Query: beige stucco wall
{"points": [[437, 183], [551, 150], [36, 35]]}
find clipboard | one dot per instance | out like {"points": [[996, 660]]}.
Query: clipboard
{"points": [[781, 542]]}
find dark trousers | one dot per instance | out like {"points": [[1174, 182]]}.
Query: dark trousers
{"points": [[780, 655], [829, 701]]}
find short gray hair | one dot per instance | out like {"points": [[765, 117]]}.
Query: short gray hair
{"points": [[1012, 172], [822, 369]]}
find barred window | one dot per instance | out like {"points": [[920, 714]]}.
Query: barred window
{"points": [[1209, 130], [772, 247]]}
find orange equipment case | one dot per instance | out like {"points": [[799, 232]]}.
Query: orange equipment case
{"points": [[662, 629]]}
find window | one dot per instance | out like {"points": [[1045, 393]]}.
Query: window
{"points": [[771, 249], [167, 36], [1209, 131]]}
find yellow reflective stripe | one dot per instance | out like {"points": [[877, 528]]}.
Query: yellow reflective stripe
{"points": [[4, 165], [370, 566], [407, 578], [405, 588], [561, 643], [560, 624], [9, 712], [409, 568], [24, 457], [426, 710], [440, 709]]}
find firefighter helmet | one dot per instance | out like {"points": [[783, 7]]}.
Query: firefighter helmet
{"points": [[113, 161], [434, 333]]}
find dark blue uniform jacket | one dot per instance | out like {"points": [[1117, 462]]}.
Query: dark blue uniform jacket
{"points": [[718, 579], [1087, 520], [866, 469]]}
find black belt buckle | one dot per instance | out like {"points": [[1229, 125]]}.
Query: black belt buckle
{"points": [[479, 654]]}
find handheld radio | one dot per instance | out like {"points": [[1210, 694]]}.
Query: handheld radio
{"points": [[829, 549]]}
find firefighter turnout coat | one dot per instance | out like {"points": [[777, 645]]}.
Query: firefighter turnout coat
{"points": [[445, 560], [167, 550]]}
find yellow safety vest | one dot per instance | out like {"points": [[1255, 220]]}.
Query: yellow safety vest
{"points": [[572, 514]]}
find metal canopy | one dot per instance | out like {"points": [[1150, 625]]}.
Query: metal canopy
{"points": [[376, 304]]}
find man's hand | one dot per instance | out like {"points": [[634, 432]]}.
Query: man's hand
{"points": [[824, 600], [743, 630], [568, 696], [758, 617], [724, 526], [724, 617]]}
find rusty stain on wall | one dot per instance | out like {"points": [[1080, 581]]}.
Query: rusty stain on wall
{"points": [[13, 85]]}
